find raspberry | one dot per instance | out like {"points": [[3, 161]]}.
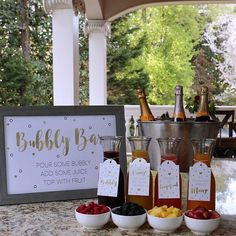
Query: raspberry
{"points": [[92, 208], [81, 207]]}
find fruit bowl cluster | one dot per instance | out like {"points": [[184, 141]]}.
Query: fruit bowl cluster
{"points": [[131, 216]]}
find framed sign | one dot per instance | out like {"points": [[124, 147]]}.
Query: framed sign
{"points": [[53, 153]]}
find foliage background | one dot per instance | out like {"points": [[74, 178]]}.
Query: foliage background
{"points": [[154, 48], [26, 61]]}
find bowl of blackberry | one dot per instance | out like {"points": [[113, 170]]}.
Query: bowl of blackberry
{"points": [[130, 216]]}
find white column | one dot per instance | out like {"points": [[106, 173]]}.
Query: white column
{"points": [[98, 31], [65, 33]]}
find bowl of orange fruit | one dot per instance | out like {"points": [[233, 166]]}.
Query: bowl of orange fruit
{"points": [[165, 219]]}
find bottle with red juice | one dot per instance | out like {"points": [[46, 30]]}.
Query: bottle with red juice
{"points": [[168, 186], [111, 147]]}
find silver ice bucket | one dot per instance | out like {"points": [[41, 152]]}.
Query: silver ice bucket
{"points": [[185, 130]]}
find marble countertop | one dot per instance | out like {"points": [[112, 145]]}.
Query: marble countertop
{"points": [[57, 218]]}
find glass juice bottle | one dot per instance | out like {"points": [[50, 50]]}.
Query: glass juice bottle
{"points": [[139, 147], [111, 147], [169, 148], [203, 150]]}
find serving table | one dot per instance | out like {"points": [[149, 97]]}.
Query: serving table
{"points": [[57, 218]]}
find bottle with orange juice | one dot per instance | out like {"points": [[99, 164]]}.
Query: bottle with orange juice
{"points": [[201, 186], [139, 178]]}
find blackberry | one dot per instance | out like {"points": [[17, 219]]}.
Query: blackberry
{"points": [[129, 209]]}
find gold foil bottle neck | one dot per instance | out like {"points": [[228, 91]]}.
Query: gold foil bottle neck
{"points": [[203, 110], [146, 114]]}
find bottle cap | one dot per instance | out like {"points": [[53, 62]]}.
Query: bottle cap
{"points": [[141, 93], [179, 90], [204, 90]]}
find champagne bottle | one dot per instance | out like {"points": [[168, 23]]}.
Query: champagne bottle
{"points": [[203, 110], [179, 114], [146, 114]]}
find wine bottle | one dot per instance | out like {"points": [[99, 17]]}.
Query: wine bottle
{"points": [[203, 110], [179, 114], [146, 114]]}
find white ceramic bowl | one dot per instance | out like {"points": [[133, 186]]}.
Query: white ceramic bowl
{"points": [[130, 223], [164, 225], [93, 221], [201, 227]]}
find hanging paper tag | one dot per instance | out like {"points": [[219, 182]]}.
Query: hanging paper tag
{"points": [[139, 177], [199, 182], [108, 179], [168, 180]]}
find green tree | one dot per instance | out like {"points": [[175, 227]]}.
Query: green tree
{"points": [[207, 71], [25, 64], [173, 32], [124, 76], [153, 48]]}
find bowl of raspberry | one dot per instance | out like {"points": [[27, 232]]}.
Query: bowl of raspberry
{"points": [[92, 215]]}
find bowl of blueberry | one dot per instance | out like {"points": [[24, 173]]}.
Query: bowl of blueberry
{"points": [[92, 215], [130, 216]]}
